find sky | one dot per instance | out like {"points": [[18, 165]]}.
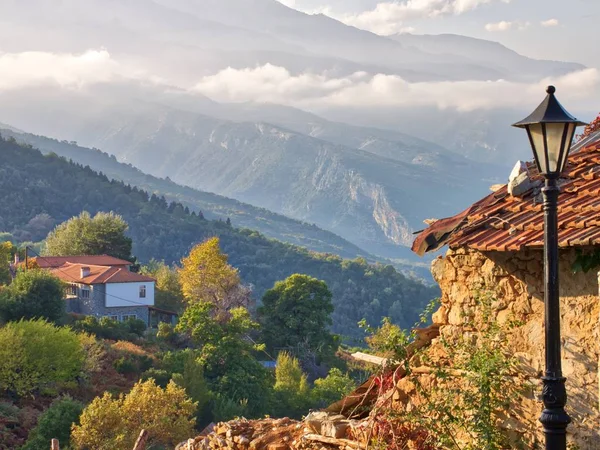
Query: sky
{"points": [[565, 30]]}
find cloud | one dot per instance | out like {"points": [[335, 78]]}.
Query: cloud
{"points": [[274, 84], [389, 17], [18, 70], [550, 23], [505, 26]]}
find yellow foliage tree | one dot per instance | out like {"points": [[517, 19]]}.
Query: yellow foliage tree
{"points": [[114, 423], [206, 277]]}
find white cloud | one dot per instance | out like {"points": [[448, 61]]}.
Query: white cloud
{"points": [[505, 26], [550, 23], [389, 17], [276, 85], [19, 70]]}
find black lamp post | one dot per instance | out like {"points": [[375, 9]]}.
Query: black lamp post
{"points": [[551, 130]]}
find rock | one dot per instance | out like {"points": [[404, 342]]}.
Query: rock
{"points": [[334, 429]]}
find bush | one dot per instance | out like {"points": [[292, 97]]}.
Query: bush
{"points": [[106, 328], [108, 423], [36, 355], [55, 422], [34, 294], [332, 388]]}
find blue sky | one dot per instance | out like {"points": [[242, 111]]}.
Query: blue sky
{"points": [[565, 30]]}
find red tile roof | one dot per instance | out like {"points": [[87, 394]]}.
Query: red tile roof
{"points": [[501, 222], [47, 262], [71, 273]]}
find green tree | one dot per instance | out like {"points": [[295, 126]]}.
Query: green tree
{"points": [[292, 392], [33, 294], [332, 388], [6, 252], [193, 381], [103, 234], [167, 294], [297, 311], [36, 355], [114, 423], [227, 355], [55, 422]]}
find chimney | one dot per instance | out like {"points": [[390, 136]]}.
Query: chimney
{"points": [[85, 271]]}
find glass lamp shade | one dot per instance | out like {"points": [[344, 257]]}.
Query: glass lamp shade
{"points": [[551, 143], [551, 130]]}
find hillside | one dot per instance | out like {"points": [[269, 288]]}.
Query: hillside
{"points": [[33, 185], [211, 205]]}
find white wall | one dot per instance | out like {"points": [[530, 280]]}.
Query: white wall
{"points": [[117, 294]]}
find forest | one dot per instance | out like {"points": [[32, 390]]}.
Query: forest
{"points": [[41, 191]]}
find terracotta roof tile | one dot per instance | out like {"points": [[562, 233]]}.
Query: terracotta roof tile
{"points": [[71, 273], [500, 222], [47, 262]]}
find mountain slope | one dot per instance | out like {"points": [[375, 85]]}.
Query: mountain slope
{"points": [[211, 205], [33, 185], [372, 201]]}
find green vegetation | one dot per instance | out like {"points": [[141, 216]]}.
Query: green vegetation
{"points": [[296, 313], [467, 393], [34, 294], [50, 185], [55, 423], [103, 234], [109, 423], [36, 356]]}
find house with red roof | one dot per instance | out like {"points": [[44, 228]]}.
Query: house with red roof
{"points": [[103, 286]]}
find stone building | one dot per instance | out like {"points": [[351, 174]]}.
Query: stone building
{"points": [[104, 286], [496, 244]]}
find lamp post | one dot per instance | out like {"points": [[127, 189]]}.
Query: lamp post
{"points": [[551, 130]]}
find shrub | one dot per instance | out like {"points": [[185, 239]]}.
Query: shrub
{"points": [[106, 328], [332, 388], [108, 423], [55, 422], [34, 294], [36, 355]]}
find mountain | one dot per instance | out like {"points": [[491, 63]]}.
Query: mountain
{"points": [[37, 188], [214, 207], [374, 197]]}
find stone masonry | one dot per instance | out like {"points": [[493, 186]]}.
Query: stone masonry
{"points": [[516, 279]]}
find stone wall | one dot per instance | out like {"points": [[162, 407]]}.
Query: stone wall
{"points": [[516, 280]]}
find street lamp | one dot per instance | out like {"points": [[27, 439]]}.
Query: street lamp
{"points": [[551, 130]]}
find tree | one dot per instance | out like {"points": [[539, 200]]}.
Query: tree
{"points": [[332, 388], [55, 422], [206, 277], [193, 381], [167, 294], [292, 391], [36, 355], [297, 311], [103, 234], [33, 294], [6, 252], [227, 356], [114, 423]]}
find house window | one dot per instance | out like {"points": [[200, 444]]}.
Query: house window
{"points": [[127, 317], [85, 293], [114, 318], [143, 291], [72, 290]]}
